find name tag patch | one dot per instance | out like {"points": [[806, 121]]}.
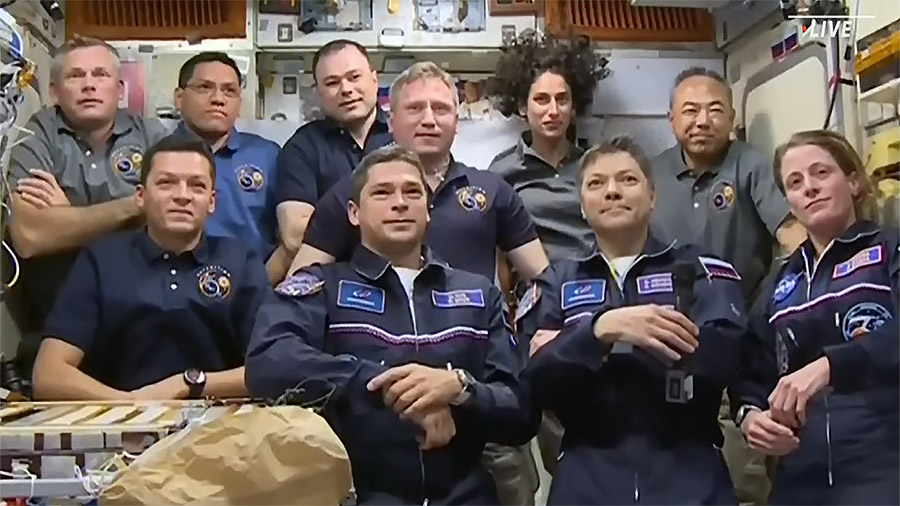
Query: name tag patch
{"points": [[585, 291], [655, 283], [355, 295], [458, 298], [716, 268], [868, 256]]}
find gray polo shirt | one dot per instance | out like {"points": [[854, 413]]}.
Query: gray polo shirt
{"points": [[550, 195], [732, 210], [87, 177]]}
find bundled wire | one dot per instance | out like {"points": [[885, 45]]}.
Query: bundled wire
{"points": [[16, 74]]}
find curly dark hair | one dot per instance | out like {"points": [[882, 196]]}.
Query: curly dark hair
{"points": [[531, 54]]}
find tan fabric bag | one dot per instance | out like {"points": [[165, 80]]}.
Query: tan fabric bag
{"points": [[283, 455]]}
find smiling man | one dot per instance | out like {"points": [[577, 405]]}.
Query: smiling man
{"points": [[720, 194], [422, 365], [161, 313], [613, 333], [209, 96], [323, 151]]}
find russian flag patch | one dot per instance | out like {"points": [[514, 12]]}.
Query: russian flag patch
{"points": [[716, 268]]}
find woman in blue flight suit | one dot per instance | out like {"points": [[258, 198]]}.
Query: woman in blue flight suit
{"points": [[631, 350], [820, 388]]}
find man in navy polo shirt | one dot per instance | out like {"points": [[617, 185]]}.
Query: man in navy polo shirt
{"points": [[321, 152], [209, 98], [473, 212], [161, 313]]}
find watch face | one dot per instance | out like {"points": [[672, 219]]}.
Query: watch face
{"points": [[193, 376]]}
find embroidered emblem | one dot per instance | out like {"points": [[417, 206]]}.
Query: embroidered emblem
{"points": [[126, 161], [300, 284], [472, 198], [355, 295], [250, 178], [214, 281], [585, 291], [785, 287], [723, 195], [863, 318]]}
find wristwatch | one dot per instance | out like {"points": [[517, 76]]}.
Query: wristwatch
{"points": [[742, 413], [468, 383], [195, 379]]}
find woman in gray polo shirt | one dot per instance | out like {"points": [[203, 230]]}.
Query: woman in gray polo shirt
{"points": [[547, 82]]}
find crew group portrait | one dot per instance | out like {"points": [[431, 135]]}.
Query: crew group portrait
{"points": [[705, 325]]}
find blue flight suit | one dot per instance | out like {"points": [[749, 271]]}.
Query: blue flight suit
{"points": [[624, 442], [346, 323], [845, 308], [142, 314]]}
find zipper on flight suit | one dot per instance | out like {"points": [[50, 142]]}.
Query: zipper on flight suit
{"points": [[620, 288], [412, 316], [828, 441], [810, 276]]}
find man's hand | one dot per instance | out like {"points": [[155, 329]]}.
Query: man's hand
{"points": [[768, 436], [439, 428], [540, 338], [41, 190], [664, 332], [172, 387], [412, 389], [788, 401]]}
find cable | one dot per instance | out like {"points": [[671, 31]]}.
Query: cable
{"points": [[837, 66]]}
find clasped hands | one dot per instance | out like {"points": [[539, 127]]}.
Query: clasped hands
{"points": [[422, 395], [773, 431]]}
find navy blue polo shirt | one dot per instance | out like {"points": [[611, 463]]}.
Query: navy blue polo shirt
{"points": [[245, 191], [141, 314], [472, 213], [319, 154]]}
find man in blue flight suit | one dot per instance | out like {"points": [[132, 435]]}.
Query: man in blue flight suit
{"points": [[632, 348], [209, 97], [323, 151], [159, 313], [423, 365]]}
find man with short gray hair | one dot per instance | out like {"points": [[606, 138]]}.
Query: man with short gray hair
{"points": [[720, 195], [74, 179]]}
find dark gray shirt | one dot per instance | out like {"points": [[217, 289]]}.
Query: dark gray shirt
{"points": [[731, 210], [551, 196], [87, 177]]}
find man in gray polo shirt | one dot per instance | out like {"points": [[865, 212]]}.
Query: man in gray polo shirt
{"points": [[73, 180], [721, 195]]}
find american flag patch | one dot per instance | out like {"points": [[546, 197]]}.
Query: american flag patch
{"points": [[868, 256], [716, 268]]}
